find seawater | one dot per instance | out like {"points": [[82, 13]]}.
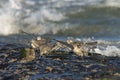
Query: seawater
{"points": [[97, 20]]}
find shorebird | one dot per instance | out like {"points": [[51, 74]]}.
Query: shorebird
{"points": [[47, 48], [65, 45], [83, 48], [43, 46], [36, 43], [50, 47], [78, 47]]}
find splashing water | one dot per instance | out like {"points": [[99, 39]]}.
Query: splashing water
{"points": [[7, 25], [29, 16], [108, 51], [58, 17]]}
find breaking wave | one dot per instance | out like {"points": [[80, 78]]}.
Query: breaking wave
{"points": [[64, 17]]}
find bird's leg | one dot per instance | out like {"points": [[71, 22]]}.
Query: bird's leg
{"points": [[83, 56], [37, 51]]}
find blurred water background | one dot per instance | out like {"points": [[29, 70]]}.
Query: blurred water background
{"points": [[81, 19]]}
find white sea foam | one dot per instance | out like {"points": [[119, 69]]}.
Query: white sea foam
{"points": [[7, 25], [15, 4], [112, 3], [108, 51], [52, 15], [16, 15]]}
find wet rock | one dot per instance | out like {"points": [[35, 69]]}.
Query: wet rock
{"points": [[27, 54], [56, 66], [48, 69]]}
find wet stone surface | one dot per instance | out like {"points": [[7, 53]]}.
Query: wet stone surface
{"points": [[55, 67]]}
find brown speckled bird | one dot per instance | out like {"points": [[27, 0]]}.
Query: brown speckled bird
{"points": [[36, 43], [78, 47]]}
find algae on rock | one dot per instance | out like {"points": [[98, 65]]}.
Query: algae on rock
{"points": [[27, 54]]}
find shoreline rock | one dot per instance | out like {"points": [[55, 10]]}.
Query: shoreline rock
{"points": [[56, 67]]}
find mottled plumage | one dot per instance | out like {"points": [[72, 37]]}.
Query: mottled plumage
{"points": [[47, 48], [36, 43], [78, 47]]}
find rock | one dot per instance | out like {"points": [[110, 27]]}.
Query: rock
{"points": [[20, 63], [12, 60], [48, 69], [27, 54]]}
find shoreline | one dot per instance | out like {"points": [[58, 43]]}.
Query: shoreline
{"points": [[64, 67]]}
